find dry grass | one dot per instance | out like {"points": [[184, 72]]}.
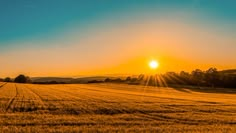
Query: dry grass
{"points": [[113, 108]]}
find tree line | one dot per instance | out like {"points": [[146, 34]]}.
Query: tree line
{"points": [[19, 79], [209, 78]]}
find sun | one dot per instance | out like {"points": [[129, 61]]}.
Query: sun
{"points": [[153, 64]]}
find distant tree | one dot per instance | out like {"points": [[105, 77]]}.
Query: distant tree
{"points": [[1, 80], [22, 79], [184, 74], [118, 80], [185, 77], [134, 79], [198, 76], [128, 79], [212, 76], [141, 77], [107, 80], [171, 78], [7, 79]]}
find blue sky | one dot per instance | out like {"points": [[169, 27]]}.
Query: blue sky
{"points": [[26, 19], [45, 24]]}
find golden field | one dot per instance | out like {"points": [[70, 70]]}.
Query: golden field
{"points": [[115, 108]]}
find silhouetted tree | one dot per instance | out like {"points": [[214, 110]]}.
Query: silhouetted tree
{"points": [[172, 78], [212, 76], [198, 76], [118, 80], [134, 79], [22, 79], [128, 79], [7, 79], [141, 77], [107, 80], [184, 74], [185, 77]]}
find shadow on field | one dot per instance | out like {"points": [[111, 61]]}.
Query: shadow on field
{"points": [[188, 89]]}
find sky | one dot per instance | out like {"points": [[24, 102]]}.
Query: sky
{"points": [[90, 37]]}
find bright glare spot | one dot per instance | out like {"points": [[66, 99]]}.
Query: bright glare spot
{"points": [[153, 64]]}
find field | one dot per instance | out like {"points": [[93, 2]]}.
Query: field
{"points": [[114, 108]]}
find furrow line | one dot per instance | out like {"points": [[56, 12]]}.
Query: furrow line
{"points": [[2, 85], [12, 99], [37, 96]]}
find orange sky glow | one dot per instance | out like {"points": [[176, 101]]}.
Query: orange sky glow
{"points": [[124, 48]]}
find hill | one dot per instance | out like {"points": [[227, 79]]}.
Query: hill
{"points": [[50, 79], [67, 80]]}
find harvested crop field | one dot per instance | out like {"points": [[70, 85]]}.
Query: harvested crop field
{"points": [[114, 108]]}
